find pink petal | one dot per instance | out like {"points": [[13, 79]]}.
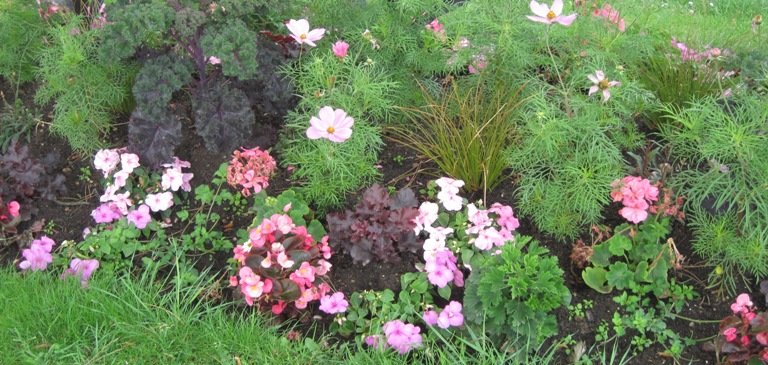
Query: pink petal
{"points": [[298, 27], [593, 90], [538, 9], [606, 95], [557, 7], [316, 34], [600, 75], [614, 83], [593, 78], [566, 20], [539, 19], [327, 115], [340, 135]]}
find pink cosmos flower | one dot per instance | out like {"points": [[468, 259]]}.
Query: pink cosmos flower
{"points": [[612, 15], [159, 202], [128, 162], [340, 49], [106, 161], [601, 84], [333, 124], [13, 208], [545, 14], [429, 317], [301, 34], [82, 268], [333, 304], [140, 216], [742, 304], [451, 316]]}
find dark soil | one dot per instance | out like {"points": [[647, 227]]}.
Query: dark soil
{"points": [[70, 214]]}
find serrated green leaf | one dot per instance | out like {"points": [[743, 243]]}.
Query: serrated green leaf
{"points": [[601, 255], [619, 275], [619, 244]]}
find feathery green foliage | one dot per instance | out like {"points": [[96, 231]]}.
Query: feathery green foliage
{"points": [[21, 35], [723, 149], [86, 91]]}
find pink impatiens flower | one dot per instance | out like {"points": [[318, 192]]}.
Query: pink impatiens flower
{"points": [[106, 213], [429, 317], [300, 32], [159, 202], [38, 255], [601, 84], [451, 315], [332, 124], [545, 14], [129, 161], [82, 268], [333, 304], [140, 216], [401, 336], [340, 49], [106, 161]]}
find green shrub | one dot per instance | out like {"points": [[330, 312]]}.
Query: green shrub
{"points": [[86, 91], [513, 294]]}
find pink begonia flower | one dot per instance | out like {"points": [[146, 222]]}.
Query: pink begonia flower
{"points": [[301, 34], [545, 14], [429, 317], [601, 84], [106, 161], [743, 304], [140, 216], [282, 223], [762, 338], [340, 49], [82, 268], [13, 208], [402, 337], [251, 285], [323, 267], [334, 303], [38, 255], [128, 162], [427, 216], [159, 202], [730, 334], [451, 316], [306, 272], [282, 260], [332, 124], [214, 60], [233, 281]]}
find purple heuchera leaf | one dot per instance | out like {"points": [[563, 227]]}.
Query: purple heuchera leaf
{"points": [[379, 228]]}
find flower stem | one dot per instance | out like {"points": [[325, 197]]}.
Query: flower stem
{"points": [[564, 90], [695, 320]]}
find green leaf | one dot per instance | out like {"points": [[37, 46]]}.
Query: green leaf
{"points": [[619, 275], [619, 244], [204, 194], [387, 296], [445, 292], [595, 278], [183, 215], [601, 255], [420, 285], [316, 229]]}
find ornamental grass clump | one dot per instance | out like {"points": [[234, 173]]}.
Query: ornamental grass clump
{"points": [[464, 130]]}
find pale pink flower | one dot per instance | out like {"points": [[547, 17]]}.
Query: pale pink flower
{"points": [[427, 216], [300, 32], [306, 272], [82, 268], [172, 179], [140, 216], [214, 60], [106, 213], [323, 267], [451, 316], [129, 161], [282, 223], [340, 49], [545, 14], [332, 124], [106, 161], [449, 185], [334, 303], [601, 84], [429, 317], [450, 201], [120, 178], [282, 260], [159, 202], [742, 304]]}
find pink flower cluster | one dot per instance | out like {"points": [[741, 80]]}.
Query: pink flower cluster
{"points": [[9, 212], [450, 316], [449, 193], [485, 235], [441, 268], [610, 14], [438, 29], [400, 336], [636, 194], [82, 269], [690, 54], [333, 304], [117, 204], [745, 323], [38, 255], [251, 169], [279, 243]]}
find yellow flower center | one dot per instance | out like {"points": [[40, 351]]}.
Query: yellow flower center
{"points": [[303, 36], [551, 15], [331, 130], [603, 84]]}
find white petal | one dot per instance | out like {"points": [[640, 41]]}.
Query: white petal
{"points": [[593, 90], [566, 20], [593, 78], [538, 19], [600, 75], [328, 115], [298, 27], [606, 95], [557, 7], [539, 9]]}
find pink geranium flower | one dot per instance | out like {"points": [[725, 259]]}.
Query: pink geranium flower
{"points": [[333, 124], [333, 304], [545, 14], [300, 32], [140, 216], [601, 84], [340, 49], [82, 268]]}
